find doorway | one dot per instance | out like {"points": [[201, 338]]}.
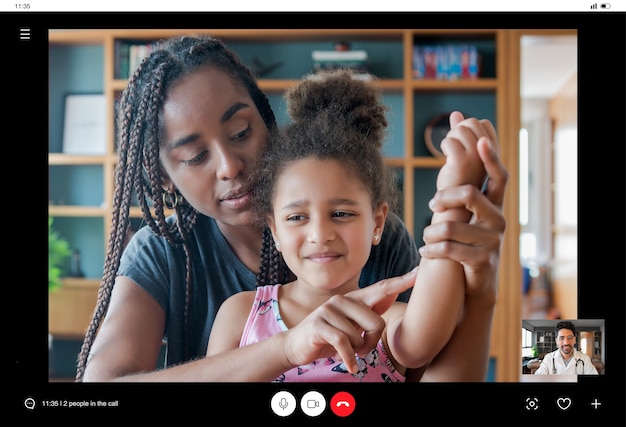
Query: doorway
{"points": [[548, 174]]}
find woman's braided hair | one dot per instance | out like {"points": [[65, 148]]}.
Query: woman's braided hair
{"points": [[139, 171]]}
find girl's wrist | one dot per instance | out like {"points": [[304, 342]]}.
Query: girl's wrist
{"points": [[483, 300]]}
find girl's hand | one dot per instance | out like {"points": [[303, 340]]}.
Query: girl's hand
{"points": [[463, 163], [345, 325]]}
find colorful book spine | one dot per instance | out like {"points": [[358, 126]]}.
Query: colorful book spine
{"points": [[446, 62]]}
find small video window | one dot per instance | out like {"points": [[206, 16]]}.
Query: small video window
{"points": [[561, 350]]}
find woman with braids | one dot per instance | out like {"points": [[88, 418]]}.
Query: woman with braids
{"points": [[192, 124], [325, 224]]}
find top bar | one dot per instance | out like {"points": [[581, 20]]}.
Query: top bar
{"points": [[314, 6]]}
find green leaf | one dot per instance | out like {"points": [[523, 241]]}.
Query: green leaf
{"points": [[58, 251]]}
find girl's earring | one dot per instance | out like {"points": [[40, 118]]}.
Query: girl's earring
{"points": [[277, 244], [376, 237]]}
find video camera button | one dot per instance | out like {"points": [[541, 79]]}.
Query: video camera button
{"points": [[313, 403]]}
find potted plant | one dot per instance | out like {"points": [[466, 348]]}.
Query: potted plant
{"points": [[535, 351], [58, 252]]}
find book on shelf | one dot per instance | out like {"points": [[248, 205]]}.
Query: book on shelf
{"points": [[128, 56], [356, 76], [446, 62], [339, 55], [333, 59]]}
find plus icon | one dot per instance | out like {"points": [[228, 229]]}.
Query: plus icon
{"points": [[595, 403]]}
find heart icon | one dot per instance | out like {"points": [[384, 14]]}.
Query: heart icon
{"points": [[563, 402]]}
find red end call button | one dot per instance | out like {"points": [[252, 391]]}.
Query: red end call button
{"points": [[342, 404]]}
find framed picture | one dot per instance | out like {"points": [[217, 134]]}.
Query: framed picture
{"points": [[84, 130]]}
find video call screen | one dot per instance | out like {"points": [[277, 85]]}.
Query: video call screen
{"points": [[558, 265]]}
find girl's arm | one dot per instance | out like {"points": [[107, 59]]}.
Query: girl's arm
{"points": [[128, 343], [230, 322], [477, 246], [431, 314], [438, 294]]}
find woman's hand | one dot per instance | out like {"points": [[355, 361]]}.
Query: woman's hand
{"points": [[345, 325]]}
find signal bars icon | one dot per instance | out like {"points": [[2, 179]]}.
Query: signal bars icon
{"points": [[24, 33]]}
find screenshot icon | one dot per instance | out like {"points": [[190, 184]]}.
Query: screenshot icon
{"points": [[532, 404]]}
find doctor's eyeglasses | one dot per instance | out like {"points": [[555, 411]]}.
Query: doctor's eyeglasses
{"points": [[561, 337]]}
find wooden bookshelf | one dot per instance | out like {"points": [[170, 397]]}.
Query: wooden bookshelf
{"points": [[413, 103]]}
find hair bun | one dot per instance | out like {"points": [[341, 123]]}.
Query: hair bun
{"points": [[340, 95]]}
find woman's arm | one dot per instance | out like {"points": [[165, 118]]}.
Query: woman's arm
{"points": [[130, 336], [128, 343]]}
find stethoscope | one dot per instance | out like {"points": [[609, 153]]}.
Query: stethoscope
{"points": [[575, 368]]}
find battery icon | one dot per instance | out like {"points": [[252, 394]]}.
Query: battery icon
{"points": [[605, 5]]}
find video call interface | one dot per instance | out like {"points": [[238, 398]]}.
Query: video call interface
{"points": [[521, 398]]}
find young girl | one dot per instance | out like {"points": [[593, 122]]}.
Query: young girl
{"points": [[325, 194]]}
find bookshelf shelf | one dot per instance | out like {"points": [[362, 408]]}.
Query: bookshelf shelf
{"points": [[71, 159]]}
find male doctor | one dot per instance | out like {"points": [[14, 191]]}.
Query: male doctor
{"points": [[566, 359]]}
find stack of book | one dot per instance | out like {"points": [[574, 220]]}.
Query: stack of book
{"points": [[446, 62], [128, 56], [333, 59]]}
